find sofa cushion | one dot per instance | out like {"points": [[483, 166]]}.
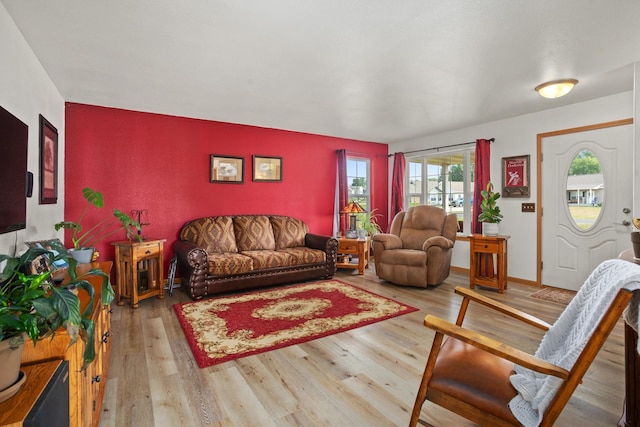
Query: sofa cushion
{"points": [[225, 264], [213, 234], [288, 232], [253, 233], [264, 259], [302, 255]]}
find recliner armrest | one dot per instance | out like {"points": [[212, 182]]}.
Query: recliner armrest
{"points": [[439, 241], [389, 241]]}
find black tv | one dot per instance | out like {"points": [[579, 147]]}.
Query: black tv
{"points": [[14, 144]]}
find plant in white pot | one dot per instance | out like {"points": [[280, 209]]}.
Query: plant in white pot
{"points": [[33, 308], [490, 215], [84, 239]]}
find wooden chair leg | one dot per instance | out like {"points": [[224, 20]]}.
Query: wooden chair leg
{"points": [[428, 371]]}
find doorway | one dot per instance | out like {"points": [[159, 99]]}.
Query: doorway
{"points": [[584, 194]]}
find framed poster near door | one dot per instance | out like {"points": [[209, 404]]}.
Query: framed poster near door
{"points": [[515, 176]]}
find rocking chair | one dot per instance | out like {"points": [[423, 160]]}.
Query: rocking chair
{"points": [[472, 375]]}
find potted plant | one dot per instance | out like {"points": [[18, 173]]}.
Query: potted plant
{"points": [[490, 215], [83, 239], [32, 307], [369, 222]]}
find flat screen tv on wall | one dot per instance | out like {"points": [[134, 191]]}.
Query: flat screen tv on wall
{"points": [[14, 142]]}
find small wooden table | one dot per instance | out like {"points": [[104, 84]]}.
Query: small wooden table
{"points": [[139, 270], [631, 367], [488, 263], [357, 247]]}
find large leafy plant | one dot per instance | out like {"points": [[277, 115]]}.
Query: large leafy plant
{"points": [[489, 209], [82, 237], [31, 304]]}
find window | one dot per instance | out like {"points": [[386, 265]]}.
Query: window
{"points": [[443, 180], [358, 181]]}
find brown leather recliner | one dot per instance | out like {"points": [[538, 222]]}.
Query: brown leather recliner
{"points": [[417, 250]]}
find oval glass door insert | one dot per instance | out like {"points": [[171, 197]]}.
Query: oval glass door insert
{"points": [[585, 190]]}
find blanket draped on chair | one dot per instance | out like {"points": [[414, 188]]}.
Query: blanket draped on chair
{"points": [[563, 342]]}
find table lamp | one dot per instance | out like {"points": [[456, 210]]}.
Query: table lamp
{"points": [[352, 209]]}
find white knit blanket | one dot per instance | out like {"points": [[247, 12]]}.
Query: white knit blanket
{"points": [[564, 341]]}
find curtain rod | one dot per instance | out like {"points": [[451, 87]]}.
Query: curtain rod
{"points": [[444, 146]]}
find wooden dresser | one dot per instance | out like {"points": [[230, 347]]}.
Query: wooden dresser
{"points": [[86, 388]]}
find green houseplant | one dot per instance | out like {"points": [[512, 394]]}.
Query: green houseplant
{"points": [[33, 308], [490, 215], [84, 238], [369, 222]]}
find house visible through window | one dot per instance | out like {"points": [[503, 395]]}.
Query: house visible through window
{"points": [[444, 180], [358, 180]]}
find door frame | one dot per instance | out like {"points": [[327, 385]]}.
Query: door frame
{"points": [[539, 154]]}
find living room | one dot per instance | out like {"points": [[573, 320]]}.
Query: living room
{"points": [[160, 161]]}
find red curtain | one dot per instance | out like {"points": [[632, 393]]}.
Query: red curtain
{"points": [[342, 190], [482, 175], [397, 186]]}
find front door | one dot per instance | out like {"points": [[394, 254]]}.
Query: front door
{"points": [[586, 200]]}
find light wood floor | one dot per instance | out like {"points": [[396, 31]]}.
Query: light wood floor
{"points": [[365, 377]]}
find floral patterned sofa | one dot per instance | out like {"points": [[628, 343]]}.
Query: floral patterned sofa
{"points": [[221, 254]]}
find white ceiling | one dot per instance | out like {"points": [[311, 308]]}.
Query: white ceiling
{"points": [[373, 70]]}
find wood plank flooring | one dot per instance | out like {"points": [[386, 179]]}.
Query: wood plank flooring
{"points": [[365, 377]]}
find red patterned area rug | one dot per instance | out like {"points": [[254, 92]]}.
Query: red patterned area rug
{"points": [[229, 327]]}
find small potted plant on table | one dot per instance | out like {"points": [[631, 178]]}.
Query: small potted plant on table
{"points": [[83, 240], [490, 215]]}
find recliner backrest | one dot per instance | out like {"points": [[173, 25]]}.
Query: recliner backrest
{"points": [[420, 223]]}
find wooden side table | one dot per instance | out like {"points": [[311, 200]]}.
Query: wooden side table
{"points": [[357, 247], [631, 367], [139, 270], [488, 264]]}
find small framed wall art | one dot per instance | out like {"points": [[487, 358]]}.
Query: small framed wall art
{"points": [[227, 169], [48, 162], [267, 169], [515, 176]]}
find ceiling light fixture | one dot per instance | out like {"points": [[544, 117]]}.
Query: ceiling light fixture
{"points": [[556, 88]]}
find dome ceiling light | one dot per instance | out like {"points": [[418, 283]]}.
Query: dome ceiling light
{"points": [[556, 88]]}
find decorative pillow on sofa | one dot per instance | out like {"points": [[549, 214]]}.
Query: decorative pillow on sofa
{"points": [[253, 233], [288, 232], [213, 234]]}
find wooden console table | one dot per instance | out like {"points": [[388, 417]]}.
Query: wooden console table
{"points": [[15, 410], [488, 263], [139, 270], [357, 247]]}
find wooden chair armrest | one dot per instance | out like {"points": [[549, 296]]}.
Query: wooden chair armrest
{"points": [[492, 346], [502, 308]]}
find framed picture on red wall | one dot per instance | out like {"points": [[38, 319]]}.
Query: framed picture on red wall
{"points": [[48, 162], [515, 176], [227, 169], [268, 169]]}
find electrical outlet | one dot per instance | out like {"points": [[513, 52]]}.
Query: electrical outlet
{"points": [[528, 207]]}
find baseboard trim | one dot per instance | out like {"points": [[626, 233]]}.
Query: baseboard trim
{"points": [[509, 278]]}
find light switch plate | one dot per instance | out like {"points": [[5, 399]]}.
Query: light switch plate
{"points": [[528, 207]]}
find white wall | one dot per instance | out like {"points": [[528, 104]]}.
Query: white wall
{"points": [[26, 91], [517, 136]]}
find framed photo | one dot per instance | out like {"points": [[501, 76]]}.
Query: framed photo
{"points": [[227, 169], [48, 162], [268, 169], [515, 176]]}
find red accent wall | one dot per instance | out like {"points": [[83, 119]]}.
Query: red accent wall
{"points": [[161, 163]]}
